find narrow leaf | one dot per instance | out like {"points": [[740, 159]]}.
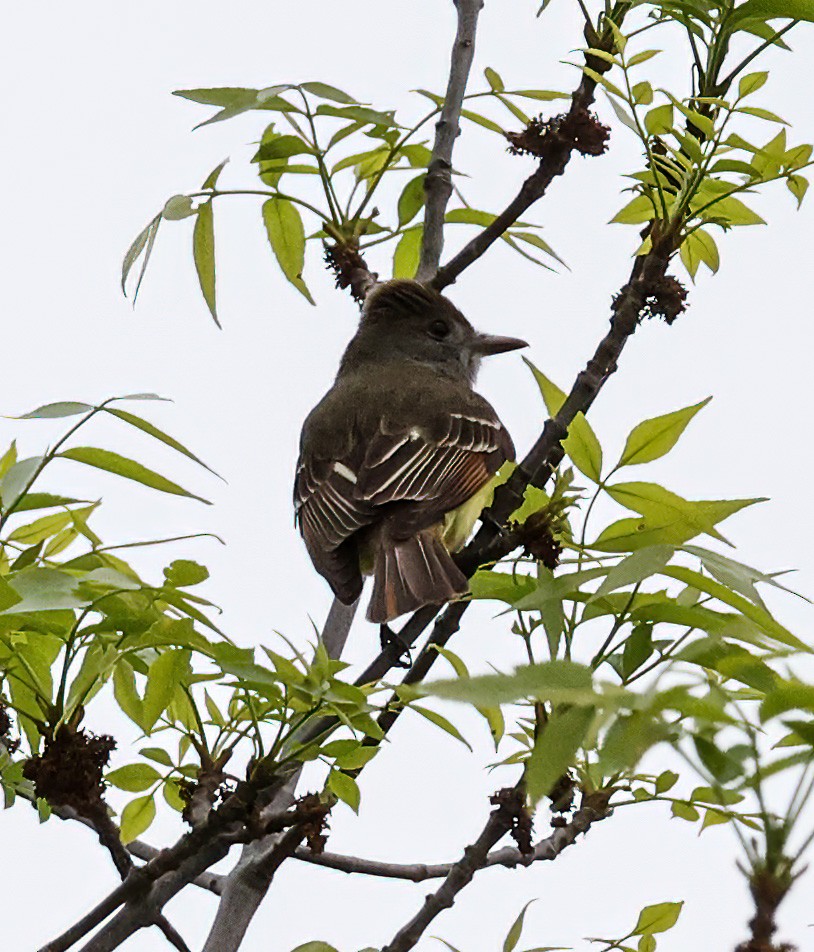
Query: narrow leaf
{"points": [[128, 468], [203, 251], [286, 236]]}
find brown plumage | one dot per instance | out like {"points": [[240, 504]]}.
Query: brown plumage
{"points": [[399, 441]]}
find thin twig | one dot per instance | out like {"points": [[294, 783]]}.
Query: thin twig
{"points": [[438, 182], [534, 187], [509, 856]]}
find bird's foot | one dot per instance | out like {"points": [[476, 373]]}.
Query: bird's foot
{"points": [[389, 638]]}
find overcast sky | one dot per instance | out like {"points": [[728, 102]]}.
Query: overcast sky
{"points": [[95, 145]]}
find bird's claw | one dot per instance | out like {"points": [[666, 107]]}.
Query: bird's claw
{"points": [[389, 638]]}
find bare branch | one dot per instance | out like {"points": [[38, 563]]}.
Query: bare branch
{"points": [[337, 627], [438, 183], [211, 882], [458, 877], [509, 856]]}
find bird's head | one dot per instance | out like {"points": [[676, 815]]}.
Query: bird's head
{"points": [[404, 320]]}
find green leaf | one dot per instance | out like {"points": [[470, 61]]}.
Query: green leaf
{"points": [[480, 120], [143, 244], [163, 679], [411, 199], [667, 509], [684, 811], [635, 568], [346, 788], [178, 207], [558, 681], [638, 648], [555, 749], [733, 212], [128, 468], [623, 115], [600, 80], [281, 147], [753, 612], [440, 721], [146, 427], [8, 459], [469, 216], [184, 572], [286, 236], [798, 186], [324, 91], [158, 754], [42, 528], [769, 9], [659, 120], [407, 253], [494, 80], [658, 918], [516, 930], [44, 501], [637, 211], [751, 83], [581, 444], [583, 449], [203, 252], [137, 817], [666, 781], [362, 114], [642, 57], [16, 481], [501, 586], [171, 790], [538, 242], [45, 589], [8, 596], [211, 180], [53, 411], [125, 693], [543, 95], [134, 777], [699, 248], [735, 575], [655, 437]]}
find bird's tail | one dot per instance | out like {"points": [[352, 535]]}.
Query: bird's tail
{"points": [[410, 573]]}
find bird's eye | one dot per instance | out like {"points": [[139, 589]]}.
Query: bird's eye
{"points": [[438, 329]]}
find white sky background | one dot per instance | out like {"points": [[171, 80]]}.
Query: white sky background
{"points": [[94, 146]]}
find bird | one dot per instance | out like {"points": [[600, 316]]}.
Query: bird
{"points": [[397, 458]]}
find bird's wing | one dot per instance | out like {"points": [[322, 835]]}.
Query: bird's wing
{"points": [[327, 506], [440, 466]]}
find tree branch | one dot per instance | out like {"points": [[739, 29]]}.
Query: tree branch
{"points": [[559, 144], [247, 884], [458, 877], [211, 882], [438, 183], [509, 856]]}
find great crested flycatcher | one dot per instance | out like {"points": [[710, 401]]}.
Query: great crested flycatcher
{"points": [[397, 448]]}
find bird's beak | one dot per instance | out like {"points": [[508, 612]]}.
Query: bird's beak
{"points": [[487, 344]]}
